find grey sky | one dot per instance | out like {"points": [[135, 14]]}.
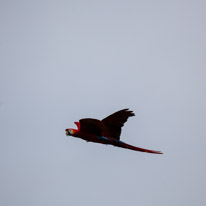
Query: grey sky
{"points": [[61, 61]]}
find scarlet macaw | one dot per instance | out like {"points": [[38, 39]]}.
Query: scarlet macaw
{"points": [[106, 131]]}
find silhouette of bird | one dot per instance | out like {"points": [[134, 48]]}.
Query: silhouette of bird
{"points": [[106, 131]]}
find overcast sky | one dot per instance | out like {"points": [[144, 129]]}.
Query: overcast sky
{"points": [[64, 60]]}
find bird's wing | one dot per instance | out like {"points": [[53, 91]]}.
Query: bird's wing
{"points": [[91, 126], [115, 121]]}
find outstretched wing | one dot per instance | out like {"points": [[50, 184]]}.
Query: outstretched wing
{"points": [[91, 126], [116, 121]]}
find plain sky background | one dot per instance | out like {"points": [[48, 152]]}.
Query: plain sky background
{"points": [[61, 61]]}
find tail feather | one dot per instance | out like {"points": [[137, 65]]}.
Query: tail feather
{"points": [[127, 146]]}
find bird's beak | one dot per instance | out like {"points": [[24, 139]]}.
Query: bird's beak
{"points": [[67, 133]]}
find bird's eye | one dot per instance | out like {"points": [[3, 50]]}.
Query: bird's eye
{"points": [[69, 132]]}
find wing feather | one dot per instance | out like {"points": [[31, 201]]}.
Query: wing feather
{"points": [[91, 126], [115, 122]]}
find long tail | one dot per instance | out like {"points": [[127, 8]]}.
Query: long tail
{"points": [[118, 143], [127, 146]]}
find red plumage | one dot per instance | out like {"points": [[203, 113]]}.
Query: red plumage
{"points": [[106, 131]]}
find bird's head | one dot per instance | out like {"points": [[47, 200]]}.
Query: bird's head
{"points": [[69, 132]]}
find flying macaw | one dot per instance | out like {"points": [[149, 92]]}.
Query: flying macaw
{"points": [[106, 131]]}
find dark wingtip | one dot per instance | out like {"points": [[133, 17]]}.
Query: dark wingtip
{"points": [[130, 112]]}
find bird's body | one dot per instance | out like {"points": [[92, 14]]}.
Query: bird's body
{"points": [[106, 131]]}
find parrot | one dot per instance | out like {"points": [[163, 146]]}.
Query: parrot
{"points": [[106, 131]]}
